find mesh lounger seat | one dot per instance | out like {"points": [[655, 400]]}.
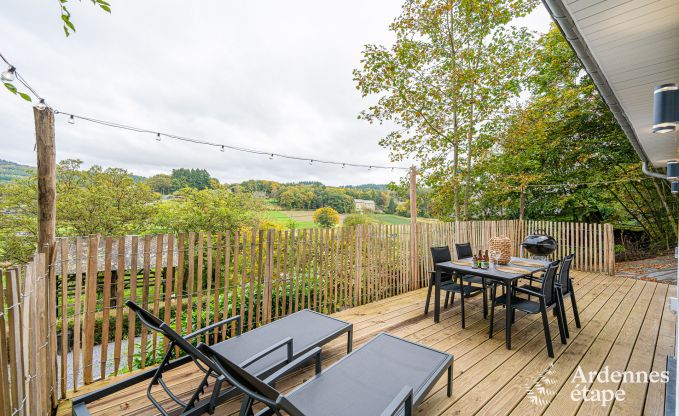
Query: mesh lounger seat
{"points": [[263, 350], [386, 376]]}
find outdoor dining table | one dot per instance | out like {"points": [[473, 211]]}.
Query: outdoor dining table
{"points": [[507, 274]]}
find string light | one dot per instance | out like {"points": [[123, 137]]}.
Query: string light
{"points": [[12, 73], [8, 76], [222, 149]]}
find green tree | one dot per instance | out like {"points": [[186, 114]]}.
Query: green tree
{"points": [[565, 134], [100, 201], [160, 183], [190, 178], [453, 66], [207, 210], [105, 201], [326, 217], [391, 207]]}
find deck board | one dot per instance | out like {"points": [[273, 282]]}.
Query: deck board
{"points": [[626, 325]]}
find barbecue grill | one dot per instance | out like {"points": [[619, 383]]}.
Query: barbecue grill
{"points": [[539, 244]]}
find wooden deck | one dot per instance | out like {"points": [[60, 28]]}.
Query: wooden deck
{"points": [[626, 326]]}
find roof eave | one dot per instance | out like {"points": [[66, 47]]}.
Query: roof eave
{"points": [[570, 31]]}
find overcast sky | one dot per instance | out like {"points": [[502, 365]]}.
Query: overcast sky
{"points": [[270, 75]]}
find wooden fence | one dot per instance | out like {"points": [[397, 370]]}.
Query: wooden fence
{"points": [[194, 279], [28, 368]]}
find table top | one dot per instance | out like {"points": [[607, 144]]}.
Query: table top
{"points": [[510, 272]]}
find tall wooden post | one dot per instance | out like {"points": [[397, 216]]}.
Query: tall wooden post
{"points": [[47, 173], [413, 229]]}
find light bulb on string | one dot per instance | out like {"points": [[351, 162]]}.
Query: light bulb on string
{"points": [[41, 104], [157, 137], [222, 149], [370, 167], [8, 75], [311, 162], [71, 120], [271, 157], [344, 165]]}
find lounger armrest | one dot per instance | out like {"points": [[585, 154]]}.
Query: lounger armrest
{"points": [[403, 398], [284, 342], [213, 326], [528, 292], [295, 364]]}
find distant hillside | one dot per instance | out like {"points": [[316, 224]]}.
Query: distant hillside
{"points": [[375, 186], [10, 171]]}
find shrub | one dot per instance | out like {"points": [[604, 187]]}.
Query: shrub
{"points": [[326, 217], [357, 219]]}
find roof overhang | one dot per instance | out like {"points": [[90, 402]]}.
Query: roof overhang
{"points": [[627, 47]]}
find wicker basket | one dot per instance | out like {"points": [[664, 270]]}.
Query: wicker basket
{"points": [[504, 246]]}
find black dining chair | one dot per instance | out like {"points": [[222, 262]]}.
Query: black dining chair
{"points": [[439, 255], [464, 251], [564, 289], [547, 298]]}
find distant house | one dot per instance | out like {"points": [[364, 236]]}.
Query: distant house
{"points": [[364, 205]]}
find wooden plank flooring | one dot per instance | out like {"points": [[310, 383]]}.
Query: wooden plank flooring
{"points": [[626, 326]]}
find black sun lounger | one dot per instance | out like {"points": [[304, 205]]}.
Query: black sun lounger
{"points": [[262, 351], [386, 376]]}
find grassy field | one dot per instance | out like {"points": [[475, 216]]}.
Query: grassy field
{"points": [[304, 219]]}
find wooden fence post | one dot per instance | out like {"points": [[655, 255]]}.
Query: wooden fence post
{"points": [[610, 249], [90, 307], [413, 230], [359, 265], [268, 271], [47, 194]]}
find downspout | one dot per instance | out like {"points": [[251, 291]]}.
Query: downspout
{"points": [[644, 168]]}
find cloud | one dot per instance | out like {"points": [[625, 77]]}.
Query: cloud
{"points": [[274, 76]]}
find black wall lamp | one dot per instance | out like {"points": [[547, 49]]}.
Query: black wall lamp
{"points": [[672, 170], [665, 108]]}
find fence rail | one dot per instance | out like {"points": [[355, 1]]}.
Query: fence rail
{"points": [[66, 325]]}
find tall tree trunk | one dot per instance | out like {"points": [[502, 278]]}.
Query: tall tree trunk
{"points": [[522, 203], [468, 176]]}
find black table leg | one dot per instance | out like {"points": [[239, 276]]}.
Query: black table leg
{"points": [[508, 315], [437, 296]]}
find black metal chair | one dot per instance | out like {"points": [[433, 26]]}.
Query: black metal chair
{"points": [[451, 287], [548, 298], [464, 251], [439, 255], [565, 289]]}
